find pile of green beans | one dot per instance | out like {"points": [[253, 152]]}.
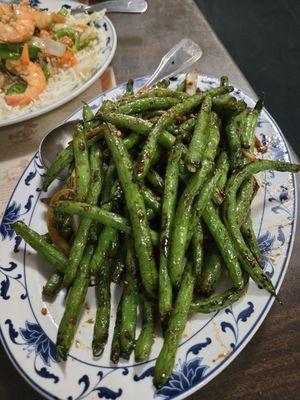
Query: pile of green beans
{"points": [[162, 190]]}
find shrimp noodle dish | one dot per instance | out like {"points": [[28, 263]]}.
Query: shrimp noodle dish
{"points": [[45, 55]]}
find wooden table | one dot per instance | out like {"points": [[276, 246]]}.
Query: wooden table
{"points": [[269, 367]]}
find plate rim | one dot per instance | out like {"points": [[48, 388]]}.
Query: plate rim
{"points": [[248, 337], [73, 94]]}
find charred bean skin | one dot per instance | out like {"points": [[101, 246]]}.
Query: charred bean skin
{"points": [[200, 136], [137, 212], [165, 361], [249, 262], [211, 272], [167, 222], [75, 300], [180, 234]]}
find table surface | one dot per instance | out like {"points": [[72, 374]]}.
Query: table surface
{"points": [[268, 368]]}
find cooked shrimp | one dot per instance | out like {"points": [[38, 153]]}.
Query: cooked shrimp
{"points": [[16, 24], [43, 21], [32, 74]]}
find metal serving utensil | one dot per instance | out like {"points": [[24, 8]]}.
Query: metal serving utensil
{"points": [[178, 59], [115, 6]]}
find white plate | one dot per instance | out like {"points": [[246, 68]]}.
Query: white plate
{"points": [[210, 342], [105, 25]]}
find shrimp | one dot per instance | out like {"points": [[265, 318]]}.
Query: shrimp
{"points": [[32, 74], [16, 24], [43, 21]]}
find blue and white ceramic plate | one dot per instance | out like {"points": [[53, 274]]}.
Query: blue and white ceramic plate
{"points": [[209, 343], [104, 56]]}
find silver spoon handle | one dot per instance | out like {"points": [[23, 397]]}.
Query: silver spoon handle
{"points": [[116, 6], [177, 60]]}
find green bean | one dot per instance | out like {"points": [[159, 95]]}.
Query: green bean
{"points": [[206, 192], [181, 86], [62, 161], [199, 139], [156, 181], [100, 215], [119, 266], [94, 213], [186, 128], [224, 243], [244, 198], [234, 183], [101, 326], [247, 134], [183, 108], [232, 132], [147, 104], [146, 338], [240, 106], [115, 351], [107, 105], [63, 223], [184, 207], [75, 300], [108, 182], [106, 237], [167, 222], [80, 241], [226, 100], [211, 272], [109, 233], [39, 244], [224, 81], [129, 88], [150, 199], [47, 238], [137, 212], [87, 113], [218, 302], [88, 119], [129, 303], [163, 84], [155, 92], [53, 285], [251, 240], [218, 195], [82, 166], [165, 361], [114, 247], [197, 250], [137, 125]]}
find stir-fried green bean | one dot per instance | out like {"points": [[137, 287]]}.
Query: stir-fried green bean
{"points": [[137, 213], [167, 222], [75, 300], [161, 181], [182, 218]]}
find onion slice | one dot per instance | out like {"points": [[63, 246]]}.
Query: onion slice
{"points": [[54, 48], [38, 42]]}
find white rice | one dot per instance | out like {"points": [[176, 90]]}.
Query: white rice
{"points": [[62, 83]]}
